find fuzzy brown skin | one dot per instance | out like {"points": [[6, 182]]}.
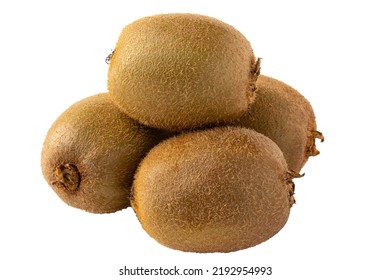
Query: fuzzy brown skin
{"points": [[284, 115], [91, 152], [214, 190], [182, 71]]}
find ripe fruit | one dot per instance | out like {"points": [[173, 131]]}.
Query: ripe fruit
{"points": [[182, 71], [91, 153], [215, 190], [284, 115]]}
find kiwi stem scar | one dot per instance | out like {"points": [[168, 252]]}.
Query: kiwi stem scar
{"points": [[108, 58], [291, 174], [311, 150], [318, 135], [67, 176], [256, 68], [255, 72]]}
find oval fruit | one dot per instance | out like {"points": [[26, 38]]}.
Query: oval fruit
{"points": [[283, 114], [91, 152], [182, 71], [215, 190]]}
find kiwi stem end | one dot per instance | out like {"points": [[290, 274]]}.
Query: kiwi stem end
{"points": [[254, 74], [291, 174], [311, 150], [67, 176], [318, 135]]}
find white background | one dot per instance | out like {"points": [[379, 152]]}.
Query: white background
{"points": [[335, 53]]}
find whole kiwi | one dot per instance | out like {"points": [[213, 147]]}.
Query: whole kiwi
{"points": [[91, 152], [283, 114], [214, 190], [182, 71]]}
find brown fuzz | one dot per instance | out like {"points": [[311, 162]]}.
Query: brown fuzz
{"points": [[281, 113], [215, 190], [182, 71], [91, 153]]}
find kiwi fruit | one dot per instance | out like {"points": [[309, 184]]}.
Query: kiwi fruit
{"points": [[91, 152], [182, 71], [221, 189], [281, 113]]}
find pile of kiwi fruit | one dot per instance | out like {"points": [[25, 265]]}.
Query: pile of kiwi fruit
{"points": [[190, 135]]}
